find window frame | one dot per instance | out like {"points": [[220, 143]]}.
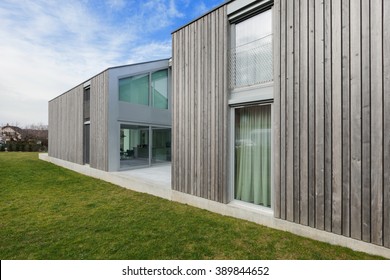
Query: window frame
{"points": [[150, 91], [260, 94], [258, 91]]}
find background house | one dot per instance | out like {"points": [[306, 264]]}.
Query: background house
{"points": [[11, 133]]}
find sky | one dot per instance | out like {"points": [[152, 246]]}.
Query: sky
{"points": [[49, 46]]}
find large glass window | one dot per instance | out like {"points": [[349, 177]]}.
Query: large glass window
{"points": [[135, 89], [134, 145], [253, 154], [251, 53], [160, 89]]}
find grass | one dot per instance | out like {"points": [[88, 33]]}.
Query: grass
{"points": [[48, 212]]}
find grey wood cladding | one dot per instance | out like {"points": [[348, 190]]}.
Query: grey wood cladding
{"points": [[66, 126], [331, 114], [335, 110], [200, 109], [99, 122]]}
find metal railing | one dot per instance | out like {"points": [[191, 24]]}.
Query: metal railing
{"points": [[251, 64]]}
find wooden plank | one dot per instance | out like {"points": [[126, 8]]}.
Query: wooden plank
{"points": [[328, 118], [217, 139], [296, 102], [276, 110], [303, 118], [377, 123], [311, 66], [356, 126], [213, 107], [179, 96], [205, 144], [319, 112], [191, 109], [222, 117], [195, 113], [173, 107], [366, 124], [336, 205], [199, 108], [386, 128], [209, 109], [290, 113], [225, 109], [346, 117], [283, 89]]}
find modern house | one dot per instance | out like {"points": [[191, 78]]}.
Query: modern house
{"points": [[118, 119], [279, 109]]}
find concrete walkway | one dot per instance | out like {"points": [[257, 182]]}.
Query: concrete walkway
{"points": [[155, 180]]}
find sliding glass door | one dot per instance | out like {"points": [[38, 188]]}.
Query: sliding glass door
{"points": [[134, 146], [253, 154], [144, 145]]}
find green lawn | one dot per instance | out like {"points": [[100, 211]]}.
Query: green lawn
{"points": [[48, 212]]}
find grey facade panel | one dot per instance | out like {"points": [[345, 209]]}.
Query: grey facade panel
{"points": [[199, 98], [124, 112], [66, 126], [333, 109]]}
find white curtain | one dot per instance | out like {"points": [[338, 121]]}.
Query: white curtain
{"points": [[253, 154]]}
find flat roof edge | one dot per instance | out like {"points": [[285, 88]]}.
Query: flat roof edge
{"points": [[107, 69], [203, 15]]}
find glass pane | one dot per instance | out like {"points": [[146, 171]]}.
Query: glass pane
{"points": [[254, 28], [135, 89], [251, 59], [161, 149], [253, 154], [160, 89], [87, 101], [134, 145]]}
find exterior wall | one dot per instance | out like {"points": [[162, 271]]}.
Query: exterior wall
{"points": [[332, 124], [200, 109], [66, 126], [99, 150]]}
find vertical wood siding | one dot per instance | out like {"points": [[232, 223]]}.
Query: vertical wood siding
{"points": [[99, 122], [200, 115], [332, 108], [66, 126]]}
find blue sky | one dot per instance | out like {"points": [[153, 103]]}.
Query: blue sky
{"points": [[48, 47]]}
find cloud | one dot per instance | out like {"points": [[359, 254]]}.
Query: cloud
{"points": [[116, 4], [200, 8], [150, 51], [47, 48]]}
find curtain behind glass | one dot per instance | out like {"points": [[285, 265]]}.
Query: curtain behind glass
{"points": [[253, 155]]}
